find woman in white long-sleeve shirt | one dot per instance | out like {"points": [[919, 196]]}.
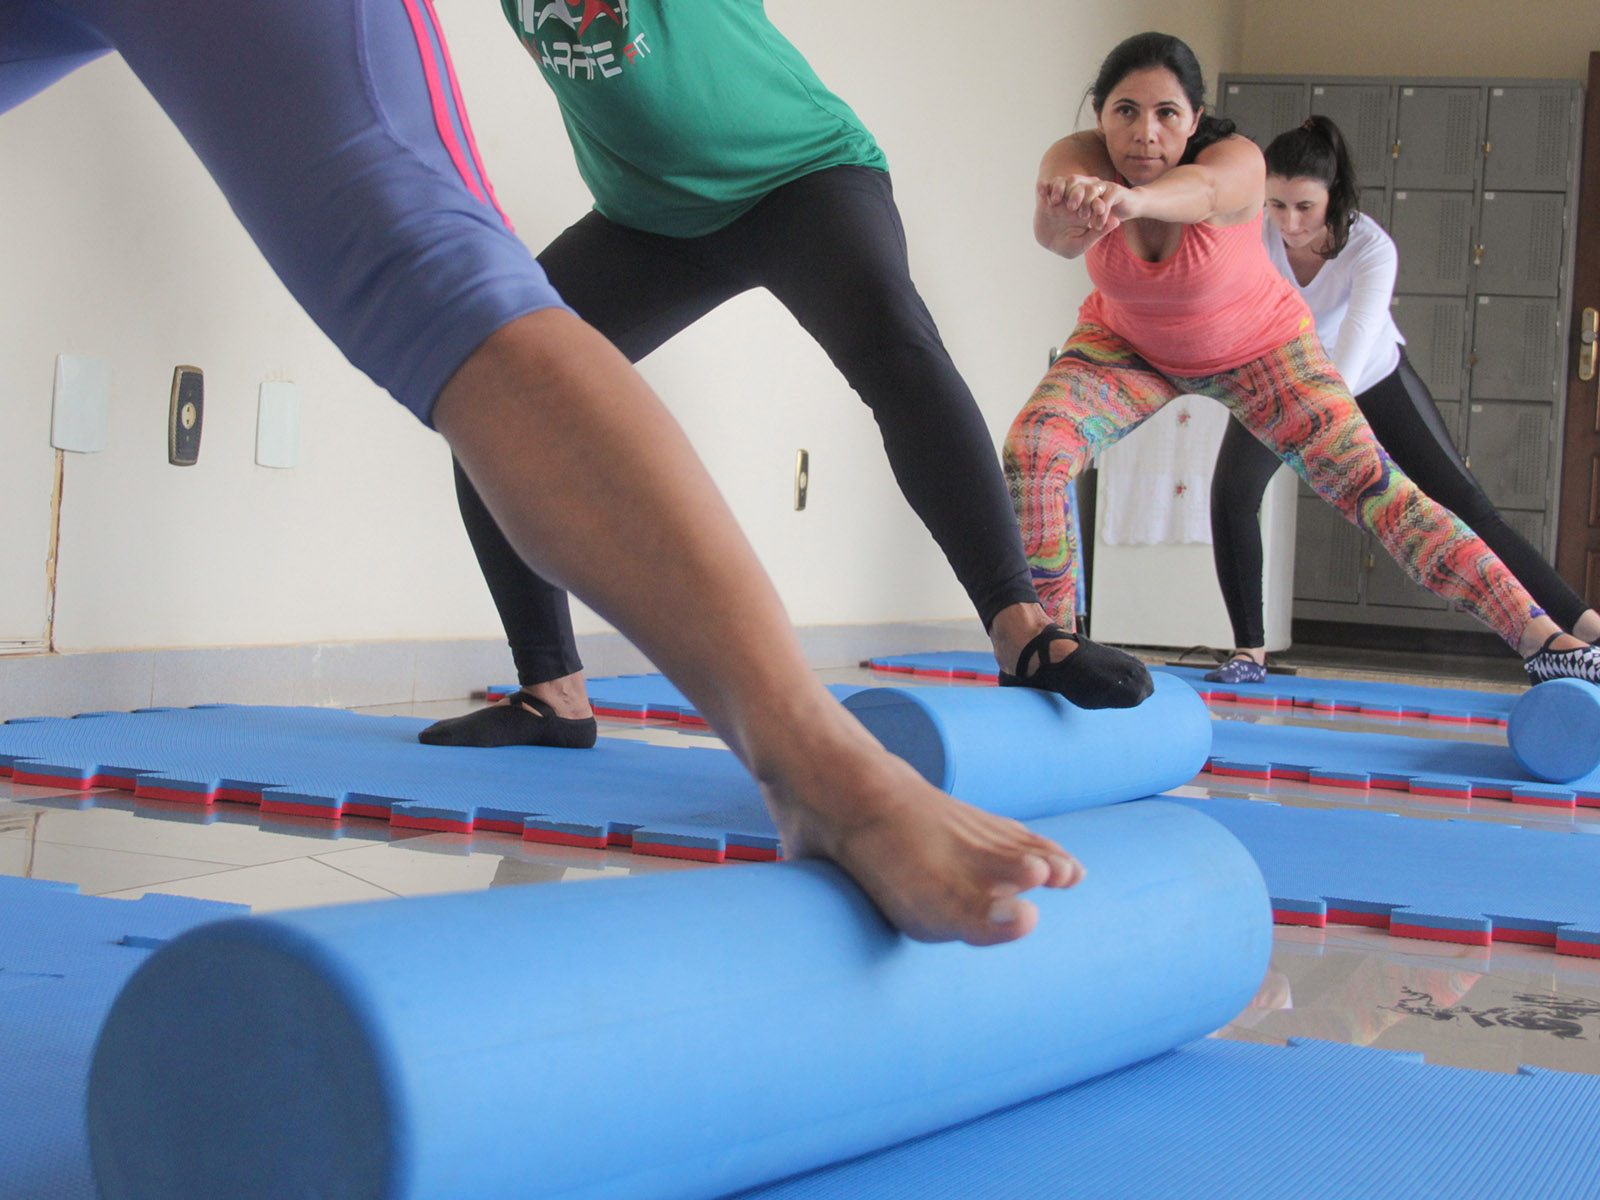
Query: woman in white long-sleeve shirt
{"points": [[1345, 265]]}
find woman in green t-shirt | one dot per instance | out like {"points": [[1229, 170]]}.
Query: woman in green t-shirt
{"points": [[719, 163]]}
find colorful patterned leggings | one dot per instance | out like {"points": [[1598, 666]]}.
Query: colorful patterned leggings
{"points": [[1293, 400]]}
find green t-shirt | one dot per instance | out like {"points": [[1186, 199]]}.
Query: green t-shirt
{"points": [[684, 113]]}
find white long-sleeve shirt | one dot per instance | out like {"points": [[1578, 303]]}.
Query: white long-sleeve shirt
{"points": [[1349, 301]]}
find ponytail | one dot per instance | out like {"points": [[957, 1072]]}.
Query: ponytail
{"points": [[1211, 130], [1317, 150]]}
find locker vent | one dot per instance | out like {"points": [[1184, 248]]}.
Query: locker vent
{"points": [[1444, 365], [1550, 149], [1286, 106], [1528, 454], [1537, 366], [1460, 134], [1544, 240], [1372, 125], [1451, 265], [1529, 524]]}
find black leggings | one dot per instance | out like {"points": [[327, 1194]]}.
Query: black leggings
{"points": [[831, 249], [1404, 418]]}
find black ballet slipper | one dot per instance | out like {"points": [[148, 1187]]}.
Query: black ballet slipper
{"points": [[1545, 664], [512, 724], [1092, 676]]}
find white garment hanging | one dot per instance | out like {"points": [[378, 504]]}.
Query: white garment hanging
{"points": [[1157, 482]]}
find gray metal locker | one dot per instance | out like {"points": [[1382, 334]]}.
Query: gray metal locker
{"points": [[1529, 135], [1437, 132], [1530, 525], [1508, 446], [1462, 168], [1388, 585], [1433, 233], [1515, 351], [1520, 239], [1450, 413], [1375, 203], [1363, 114], [1264, 110], [1435, 328], [1327, 554]]}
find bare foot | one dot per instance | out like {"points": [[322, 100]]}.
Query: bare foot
{"points": [[938, 869]]}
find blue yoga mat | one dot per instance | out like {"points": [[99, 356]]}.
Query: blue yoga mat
{"points": [[1470, 882], [1361, 1122], [694, 802], [1433, 767], [655, 1036], [1451, 705], [63, 959]]}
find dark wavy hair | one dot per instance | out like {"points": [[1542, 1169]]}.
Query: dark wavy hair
{"points": [[1145, 50], [1316, 150]]}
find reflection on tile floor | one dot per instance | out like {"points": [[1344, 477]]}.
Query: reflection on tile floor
{"points": [[1489, 1008]]}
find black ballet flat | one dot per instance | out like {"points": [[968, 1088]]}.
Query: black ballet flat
{"points": [[512, 724], [1092, 676]]}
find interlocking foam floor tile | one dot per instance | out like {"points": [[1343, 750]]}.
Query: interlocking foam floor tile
{"points": [[1455, 706], [1469, 882], [682, 802], [48, 928], [1220, 1120], [67, 956], [1213, 1120], [1437, 768]]}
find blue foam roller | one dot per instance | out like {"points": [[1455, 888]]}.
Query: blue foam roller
{"points": [[1028, 754], [1554, 730], [679, 1035]]}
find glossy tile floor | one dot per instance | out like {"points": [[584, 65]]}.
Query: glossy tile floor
{"points": [[1492, 1009]]}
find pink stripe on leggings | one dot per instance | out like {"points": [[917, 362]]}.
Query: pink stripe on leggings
{"points": [[466, 123], [441, 107]]}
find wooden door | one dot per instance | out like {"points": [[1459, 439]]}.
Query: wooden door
{"points": [[1578, 529]]}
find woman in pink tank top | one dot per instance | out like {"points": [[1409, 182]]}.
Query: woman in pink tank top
{"points": [[1165, 203]]}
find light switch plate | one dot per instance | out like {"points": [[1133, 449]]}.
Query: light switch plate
{"points": [[278, 425], [81, 408]]}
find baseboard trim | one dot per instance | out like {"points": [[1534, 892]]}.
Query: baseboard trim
{"points": [[359, 674]]}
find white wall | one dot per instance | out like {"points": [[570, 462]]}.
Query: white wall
{"points": [[130, 253]]}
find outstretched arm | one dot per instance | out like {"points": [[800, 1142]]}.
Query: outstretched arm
{"points": [[1225, 185]]}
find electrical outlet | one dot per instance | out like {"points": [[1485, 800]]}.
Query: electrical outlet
{"points": [[185, 415], [802, 479]]}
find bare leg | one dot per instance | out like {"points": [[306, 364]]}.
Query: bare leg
{"points": [[1588, 626], [566, 695], [1015, 627], [578, 462], [1540, 630]]}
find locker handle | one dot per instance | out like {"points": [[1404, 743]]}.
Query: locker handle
{"points": [[1477, 256], [1394, 150], [1588, 335], [1488, 148]]}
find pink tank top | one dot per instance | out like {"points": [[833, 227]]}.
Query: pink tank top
{"points": [[1216, 304]]}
